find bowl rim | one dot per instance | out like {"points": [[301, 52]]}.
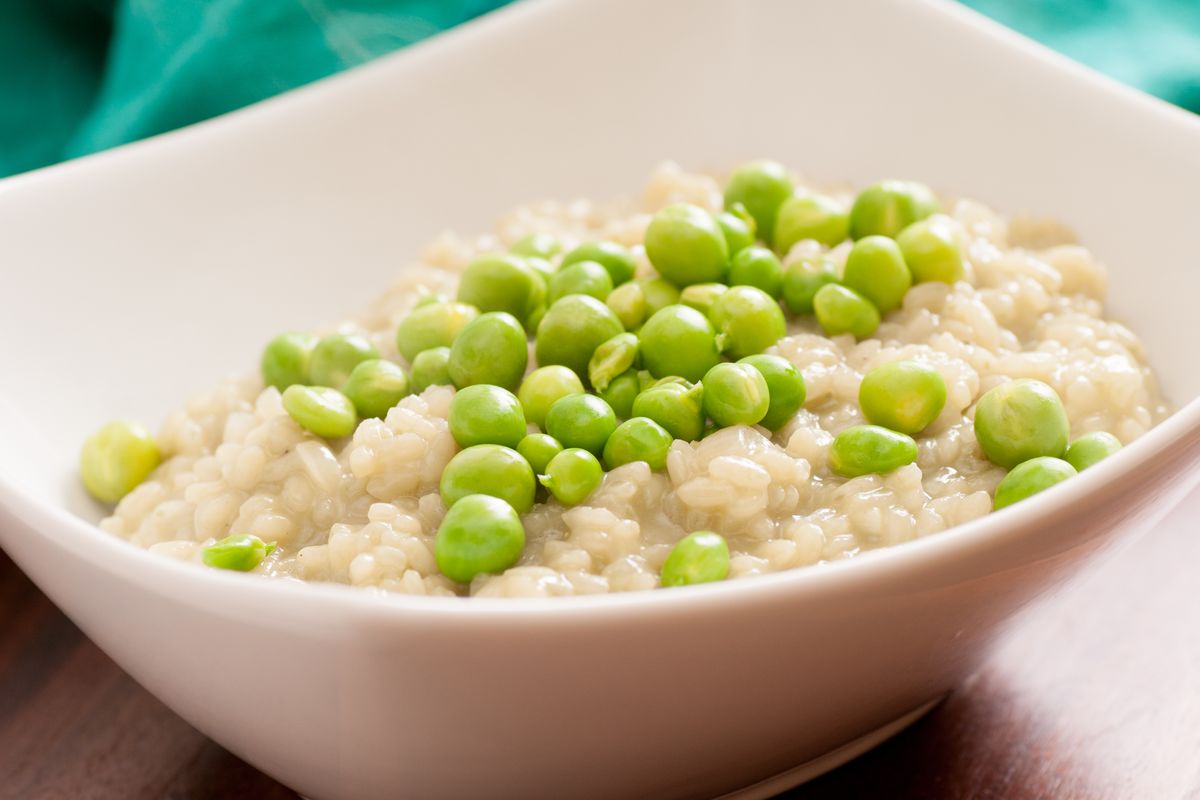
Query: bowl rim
{"points": [[875, 567]]}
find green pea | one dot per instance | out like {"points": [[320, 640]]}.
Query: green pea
{"points": [[375, 386], [904, 395], [610, 255], [612, 358], [572, 330], [638, 439], [538, 449], [483, 414], [431, 368], [499, 282], [426, 298], [875, 269], [700, 557], [479, 535], [490, 469], [678, 407], [659, 294], [785, 385], [679, 341], [336, 356], [759, 267], [701, 296], [1091, 448], [865, 449], [686, 245], [810, 216], [572, 476], [324, 411], [544, 387], [621, 392], [582, 277], [1030, 477], [749, 319], [803, 279], [492, 348], [840, 309], [285, 359], [739, 228], [735, 394], [581, 420], [762, 187], [240, 552], [932, 249], [116, 459], [537, 245], [889, 207], [1020, 420], [628, 302], [432, 325], [545, 270]]}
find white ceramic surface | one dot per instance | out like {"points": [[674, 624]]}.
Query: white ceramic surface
{"points": [[134, 278]]}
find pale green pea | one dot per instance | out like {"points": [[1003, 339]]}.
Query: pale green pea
{"points": [[658, 294], [489, 469], [544, 387], [491, 348], [1030, 477], [240, 552], [572, 476], [479, 534], [430, 368], [581, 420], [840, 309], [686, 245], [701, 296], [572, 330], [739, 228], [500, 282], [324, 411], [116, 459], [612, 358], [758, 267], [621, 392], [336, 356], [866, 449], [425, 297], [538, 245], [628, 302], [1020, 420], [762, 187], [810, 216], [803, 279], [785, 385], [700, 557], [538, 449], [875, 269], [432, 325], [484, 414], [735, 394], [1091, 448], [749, 321], [375, 386], [679, 340], [638, 439], [545, 270], [610, 255], [677, 407], [889, 207], [581, 277], [904, 396], [932, 249], [285, 359]]}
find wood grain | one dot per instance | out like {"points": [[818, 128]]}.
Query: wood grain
{"points": [[1094, 694]]}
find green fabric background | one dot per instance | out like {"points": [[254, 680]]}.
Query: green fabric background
{"points": [[78, 76]]}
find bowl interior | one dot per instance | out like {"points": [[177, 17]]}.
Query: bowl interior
{"points": [[137, 277]]}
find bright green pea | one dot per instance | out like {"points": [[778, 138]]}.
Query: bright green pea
{"points": [[490, 469], [628, 302], [865, 449], [336, 356], [375, 386], [285, 359], [1091, 448], [612, 358], [582, 277], [116, 459], [432, 325], [686, 245], [240, 552], [762, 187], [810, 216], [678, 407], [785, 385], [700, 557], [659, 294], [621, 392], [735, 394], [875, 269], [679, 341], [430, 368], [889, 207], [492, 348], [538, 449], [324, 411], [572, 476], [749, 320], [581, 420], [499, 282], [803, 279], [537, 245], [933, 250], [544, 387], [545, 270], [758, 267], [739, 228], [1020, 420], [904, 395], [484, 414], [842, 310], [638, 439], [479, 534], [610, 255], [1030, 477], [701, 296], [572, 330]]}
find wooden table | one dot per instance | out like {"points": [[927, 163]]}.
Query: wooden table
{"points": [[1095, 694]]}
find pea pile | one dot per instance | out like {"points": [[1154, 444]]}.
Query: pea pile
{"points": [[625, 365]]}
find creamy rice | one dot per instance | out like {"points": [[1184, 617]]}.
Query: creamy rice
{"points": [[365, 510]]}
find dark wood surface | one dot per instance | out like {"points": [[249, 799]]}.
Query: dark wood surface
{"points": [[1095, 694]]}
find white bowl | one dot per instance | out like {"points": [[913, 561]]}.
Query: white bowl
{"points": [[134, 278]]}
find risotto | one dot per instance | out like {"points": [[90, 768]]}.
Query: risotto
{"points": [[363, 504]]}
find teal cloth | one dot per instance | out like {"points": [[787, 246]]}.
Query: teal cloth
{"points": [[77, 76]]}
